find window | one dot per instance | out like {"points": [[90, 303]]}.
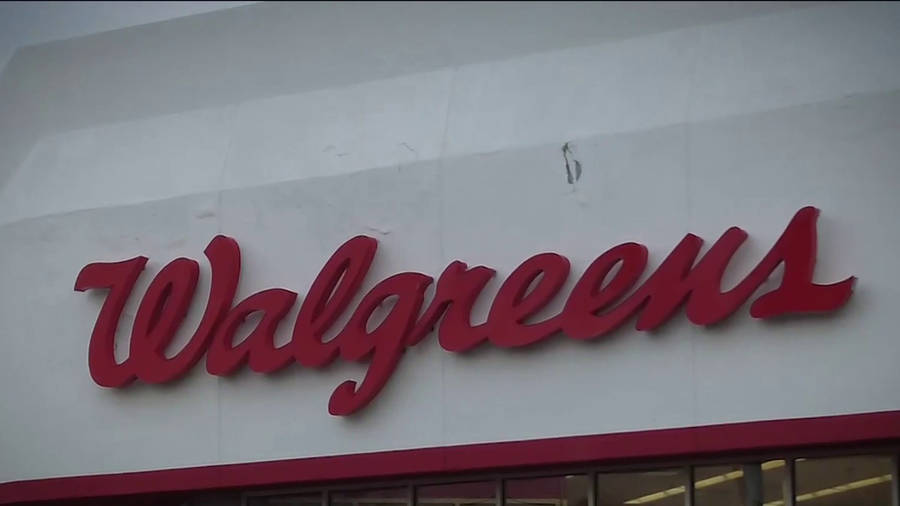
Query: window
{"points": [[458, 494], [567, 490], [845, 481], [379, 497], [850, 480], [663, 487], [286, 500], [745, 484]]}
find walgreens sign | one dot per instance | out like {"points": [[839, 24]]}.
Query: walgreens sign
{"points": [[599, 303]]}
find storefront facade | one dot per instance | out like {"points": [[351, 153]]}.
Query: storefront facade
{"points": [[365, 255]]}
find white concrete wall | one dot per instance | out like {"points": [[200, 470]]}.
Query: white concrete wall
{"points": [[28, 23], [438, 130]]}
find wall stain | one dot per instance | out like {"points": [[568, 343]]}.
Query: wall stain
{"points": [[570, 176]]}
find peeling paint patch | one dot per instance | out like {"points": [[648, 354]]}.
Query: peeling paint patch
{"points": [[176, 243], [378, 230]]}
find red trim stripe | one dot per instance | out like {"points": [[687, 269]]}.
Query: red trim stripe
{"points": [[881, 427]]}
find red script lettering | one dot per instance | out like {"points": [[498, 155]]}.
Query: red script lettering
{"points": [[594, 307]]}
